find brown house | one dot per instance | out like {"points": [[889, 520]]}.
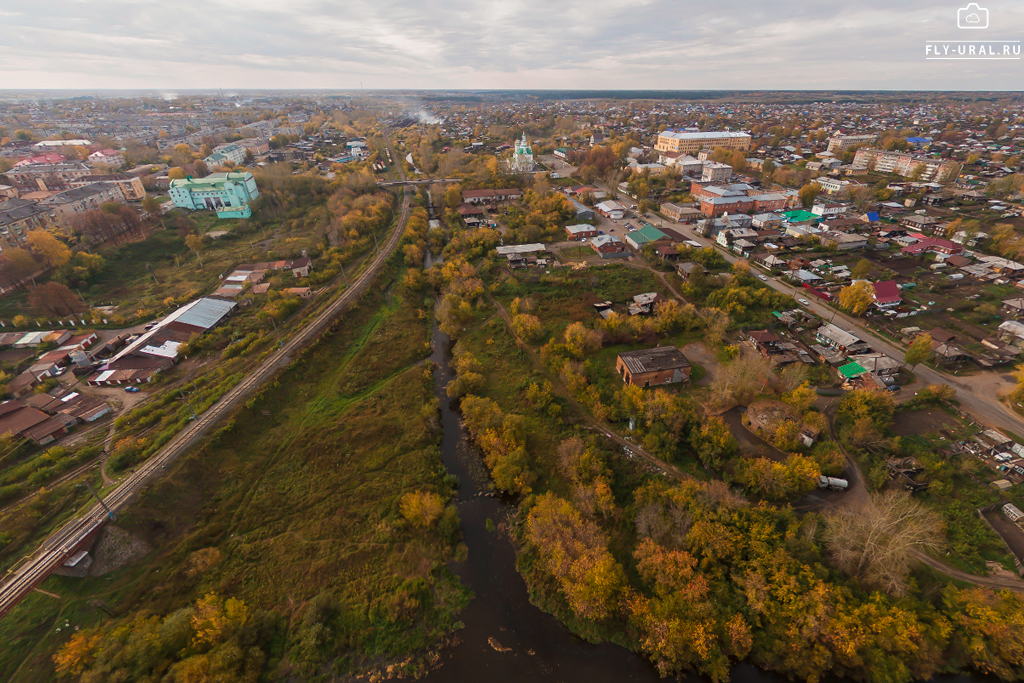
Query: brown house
{"points": [[650, 367]]}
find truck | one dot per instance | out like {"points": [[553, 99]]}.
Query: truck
{"points": [[833, 483]]}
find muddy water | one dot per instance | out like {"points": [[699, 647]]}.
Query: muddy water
{"points": [[506, 639]]}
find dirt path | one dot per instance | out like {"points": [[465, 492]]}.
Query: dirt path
{"points": [[858, 499], [592, 423]]}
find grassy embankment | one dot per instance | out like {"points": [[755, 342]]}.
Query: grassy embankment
{"points": [[296, 497]]}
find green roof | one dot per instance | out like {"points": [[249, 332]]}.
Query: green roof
{"points": [[852, 369], [799, 216], [647, 233]]}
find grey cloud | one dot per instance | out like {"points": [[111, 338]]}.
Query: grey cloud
{"points": [[515, 43]]}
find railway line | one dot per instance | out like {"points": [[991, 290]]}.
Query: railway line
{"points": [[22, 578]]}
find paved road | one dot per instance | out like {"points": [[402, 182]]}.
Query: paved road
{"points": [[55, 550], [979, 395]]}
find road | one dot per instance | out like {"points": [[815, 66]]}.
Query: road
{"points": [[55, 550], [978, 395]]}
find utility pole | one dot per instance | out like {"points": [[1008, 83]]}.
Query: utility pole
{"points": [[375, 241], [99, 500], [194, 416], [344, 275], [279, 342]]}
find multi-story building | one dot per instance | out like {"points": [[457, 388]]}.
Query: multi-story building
{"points": [[837, 143], [225, 153], [130, 185], [671, 141], [78, 200], [228, 194], [47, 177], [832, 185], [107, 157], [714, 173], [255, 145], [906, 165], [17, 217]]}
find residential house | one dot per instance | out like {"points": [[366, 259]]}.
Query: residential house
{"points": [[839, 339], [828, 209], [612, 210], [580, 231], [609, 246], [886, 294], [688, 268], [842, 241]]}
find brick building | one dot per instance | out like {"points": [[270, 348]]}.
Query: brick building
{"points": [[651, 367]]}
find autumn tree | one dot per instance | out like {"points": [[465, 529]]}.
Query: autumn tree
{"points": [[54, 298], [857, 297], [527, 327], [581, 341], [861, 270], [195, 242], [717, 324], [422, 508], [16, 264], [801, 398], [52, 251], [808, 193], [150, 205], [574, 553], [878, 545], [714, 442], [919, 350]]}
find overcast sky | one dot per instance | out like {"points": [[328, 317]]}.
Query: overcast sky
{"points": [[620, 44]]}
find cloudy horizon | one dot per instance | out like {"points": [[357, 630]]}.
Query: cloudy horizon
{"points": [[518, 44]]}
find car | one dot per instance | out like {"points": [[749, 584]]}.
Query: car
{"points": [[762, 278], [805, 302], [60, 372], [600, 232], [894, 388], [132, 390]]}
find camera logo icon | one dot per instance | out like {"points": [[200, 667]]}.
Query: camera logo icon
{"points": [[972, 16]]}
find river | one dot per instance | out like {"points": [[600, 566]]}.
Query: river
{"points": [[506, 639]]}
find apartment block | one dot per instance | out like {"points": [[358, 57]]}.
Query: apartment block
{"points": [[905, 164], [837, 143]]}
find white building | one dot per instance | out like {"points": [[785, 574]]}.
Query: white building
{"points": [[714, 173], [838, 143], [522, 160]]}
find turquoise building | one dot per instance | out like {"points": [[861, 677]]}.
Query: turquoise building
{"points": [[228, 194]]}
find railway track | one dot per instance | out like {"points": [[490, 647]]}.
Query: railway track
{"points": [[22, 578]]}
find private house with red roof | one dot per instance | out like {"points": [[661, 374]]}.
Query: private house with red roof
{"points": [[887, 294], [932, 244]]}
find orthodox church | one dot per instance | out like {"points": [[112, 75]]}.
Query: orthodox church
{"points": [[522, 160]]}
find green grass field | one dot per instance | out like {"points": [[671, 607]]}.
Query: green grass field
{"points": [[298, 495]]}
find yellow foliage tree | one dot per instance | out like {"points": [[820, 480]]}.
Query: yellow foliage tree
{"points": [[857, 297], [422, 508], [53, 252]]}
